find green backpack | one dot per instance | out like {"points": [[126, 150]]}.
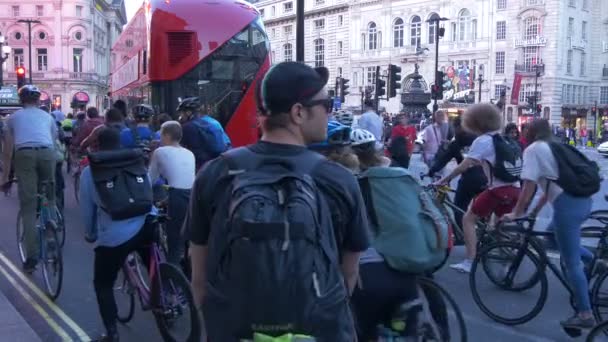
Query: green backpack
{"points": [[410, 231]]}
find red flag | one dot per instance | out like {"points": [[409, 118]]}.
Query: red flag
{"points": [[515, 89]]}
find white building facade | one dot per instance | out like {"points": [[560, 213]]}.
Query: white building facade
{"points": [[70, 47]]}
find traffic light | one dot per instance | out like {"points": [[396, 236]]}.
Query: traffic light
{"points": [[394, 80], [344, 89], [594, 110], [20, 77], [437, 88], [380, 87]]}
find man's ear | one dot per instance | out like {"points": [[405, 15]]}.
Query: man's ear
{"points": [[297, 114]]}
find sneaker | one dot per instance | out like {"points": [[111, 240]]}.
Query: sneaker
{"points": [[109, 337], [576, 322], [463, 267], [29, 266]]}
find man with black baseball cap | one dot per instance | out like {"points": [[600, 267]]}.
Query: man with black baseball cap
{"points": [[276, 229]]}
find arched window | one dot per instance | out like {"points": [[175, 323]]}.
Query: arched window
{"points": [[288, 52], [398, 33], [531, 27], [319, 52], [415, 30], [464, 25], [433, 28], [372, 34]]}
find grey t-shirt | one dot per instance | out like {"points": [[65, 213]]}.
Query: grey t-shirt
{"points": [[32, 127]]}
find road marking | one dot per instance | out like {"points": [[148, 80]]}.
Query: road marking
{"points": [[62, 333], [57, 310]]}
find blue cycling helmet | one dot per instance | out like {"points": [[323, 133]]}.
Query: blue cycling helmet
{"points": [[337, 135]]}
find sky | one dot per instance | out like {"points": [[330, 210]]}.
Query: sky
{"points": [[132, 6]]}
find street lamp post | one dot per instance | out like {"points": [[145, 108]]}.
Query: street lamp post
{"points": [[436, 20], [29, 23], [6, 50], [480, 80], [536, 76]]}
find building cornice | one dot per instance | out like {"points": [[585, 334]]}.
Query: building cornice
{"points": [[309, 14]]}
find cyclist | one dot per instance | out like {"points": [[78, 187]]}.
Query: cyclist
{"points": [[337, 146], [31, 134], [203, 139], [345, 117], [113, 119], [216, 126], [93, 120], [114, 240], [176, 165], [141, 135]]}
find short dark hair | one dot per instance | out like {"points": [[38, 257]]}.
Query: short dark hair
{"points": [[172, 129], [121, 106], [108, 138], [92, 112], [539, 129], [510, 127], [114, 115]]}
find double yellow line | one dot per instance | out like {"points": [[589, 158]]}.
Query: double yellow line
{"points": [[80, 334]]}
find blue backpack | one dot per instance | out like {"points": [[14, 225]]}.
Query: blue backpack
{"points": [[410, 231]]}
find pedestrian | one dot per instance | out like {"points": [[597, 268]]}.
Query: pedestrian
{"points": [[523, 142], [541, 169], [372, 122], [436, 137], [278, 248], [401, 143], [583, 134]]}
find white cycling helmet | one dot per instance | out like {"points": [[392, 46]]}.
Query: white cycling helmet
{"points": [[344, 117], [360, 136]]}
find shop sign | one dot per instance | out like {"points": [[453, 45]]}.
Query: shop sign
{"points": [[536, 41], [81, 97]]}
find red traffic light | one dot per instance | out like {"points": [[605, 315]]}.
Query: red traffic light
{"points": [[20, 71]]}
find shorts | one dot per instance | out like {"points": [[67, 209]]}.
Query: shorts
{"points": [[498, 201]]}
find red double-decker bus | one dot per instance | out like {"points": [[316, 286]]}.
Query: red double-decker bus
{"points": [[173, 49]]}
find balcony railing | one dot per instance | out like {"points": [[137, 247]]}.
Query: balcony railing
{"points": [[84, 76], [530, 68], [49, 75]]}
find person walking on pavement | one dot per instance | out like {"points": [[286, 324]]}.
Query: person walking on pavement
{"points": [[31, 135], [436, 137], [583, 135], [372, 122], [402, 138], [296, 107]]}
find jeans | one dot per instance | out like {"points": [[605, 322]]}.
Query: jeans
{"points": [[108, 262], [568, 215], [31, 168], [177, 210]]}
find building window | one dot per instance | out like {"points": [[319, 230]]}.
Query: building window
{"points": [[464, 25], [572, 3], [531, 57], [501, 30], [371, 75], [527, 90], [287, 30], [433, 28], [273, 33], [42, 59], [262, 13], [583, 63], [18, 35], [584, 30], [533, 2], [339, 49], [41, 35], [372, 34], [585, 5], [273, 11], [339, 72], [340, 20], [319, 24], [78, 36], [77, 58], [288, 52], [500, 62], [79, 11], [454, 31], [319, 53], [15, 11], [501, 4], [319, 2], [569, 62], [570, 27], [39, 10], [398, 33], [498, 90], [355, 78], [18, 59], [415, 31], [532, 28], [288, 7], [603, 95]]}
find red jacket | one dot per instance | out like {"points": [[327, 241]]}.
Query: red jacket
{"points": [[87, 127], [408, 132]]}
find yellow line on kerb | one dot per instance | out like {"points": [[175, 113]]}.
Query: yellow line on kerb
{"points": [[79, 332], [62, 333]]}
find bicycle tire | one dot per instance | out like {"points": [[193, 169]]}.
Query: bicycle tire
{"points": [[60, 227], [21, 238], [600, 329], [595, 297], [540, 270], [432, 285], [53, 290], [171, 276], [123, 281]]}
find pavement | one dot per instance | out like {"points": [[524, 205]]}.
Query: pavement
{"points": [[26, 314]]}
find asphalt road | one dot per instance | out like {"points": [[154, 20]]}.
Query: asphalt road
{"points": [[76, 312]]}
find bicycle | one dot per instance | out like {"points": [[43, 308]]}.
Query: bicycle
{"points": [[83, 162], [528, 245], [168, 296], [52, 237], [598, 333]]}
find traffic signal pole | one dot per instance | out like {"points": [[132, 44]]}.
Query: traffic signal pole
{"points": [[300, 31], [29, 23], [435, 104], [536, 74]]}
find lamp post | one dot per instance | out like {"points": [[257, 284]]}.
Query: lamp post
{"points": [[6, 50], [29, 23], [536, 76], [480, 80], [439, 32]]}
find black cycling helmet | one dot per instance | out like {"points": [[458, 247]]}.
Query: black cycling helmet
{"points": [[189, 103], [29, 93], [143, 111]]}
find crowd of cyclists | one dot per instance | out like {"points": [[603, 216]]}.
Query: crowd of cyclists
{"points": [[281, 237]]}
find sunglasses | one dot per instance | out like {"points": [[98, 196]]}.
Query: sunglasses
{"points": [[327, 103]]}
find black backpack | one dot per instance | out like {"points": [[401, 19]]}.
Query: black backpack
{"points": [[122, 183], [508, 159], [577, 175], [273, 263]]}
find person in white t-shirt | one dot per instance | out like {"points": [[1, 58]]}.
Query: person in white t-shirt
{"points": [[176, 165], [569, 212], [435, 135], [483, 120]]}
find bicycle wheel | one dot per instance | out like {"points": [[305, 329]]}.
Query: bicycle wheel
{"points": [[598, 333], [21, 238], [441, 300], [173, 306], [60, 227], [507, 269], [124, 293], [52, 263], [599, 297]]}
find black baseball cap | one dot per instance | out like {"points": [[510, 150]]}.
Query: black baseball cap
{"points": [[288, 83]]}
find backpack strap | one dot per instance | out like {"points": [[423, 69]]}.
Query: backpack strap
{"points": [[244, 159]]}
